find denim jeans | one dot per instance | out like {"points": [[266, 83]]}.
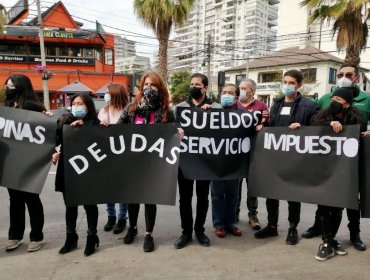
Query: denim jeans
{"points": [[111, 210], [224, 196]]}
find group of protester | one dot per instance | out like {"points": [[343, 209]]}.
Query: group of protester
{"points": [[151, 105]]}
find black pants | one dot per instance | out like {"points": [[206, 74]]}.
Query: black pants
{"points": [[92, 214], [18, 202], [150, 215], [330, 218], [186, 210], [252, 202], [294, 210]]}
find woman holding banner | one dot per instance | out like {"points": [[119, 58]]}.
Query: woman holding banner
{"points": [[151, 105], [339, 113], [19, 94], [117, 99], [83, 113]]}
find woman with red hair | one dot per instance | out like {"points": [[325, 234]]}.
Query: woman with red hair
{"points": [[151, 105]]}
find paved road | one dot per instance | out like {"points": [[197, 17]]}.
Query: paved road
{"points": [[230, 258]]}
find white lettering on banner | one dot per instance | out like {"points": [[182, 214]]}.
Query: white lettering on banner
{"points": [[139, 143], [219, 120], [206, 145], [19, 131], [311, 144]]}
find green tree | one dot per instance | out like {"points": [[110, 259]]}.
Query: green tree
{"points": [[160, 15], [180, 82], [349, 22]]}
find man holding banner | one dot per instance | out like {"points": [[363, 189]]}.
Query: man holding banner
{"points": [[293, 111], [197, 98]]}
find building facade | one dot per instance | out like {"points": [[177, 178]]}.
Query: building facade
{"points": [[224, 33]]}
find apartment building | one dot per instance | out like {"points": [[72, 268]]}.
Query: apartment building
{"points": [[226, 33]]}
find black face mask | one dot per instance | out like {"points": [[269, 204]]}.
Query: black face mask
{"points": [[195, 92], [336, 107], [11, 93], [151, 95]]}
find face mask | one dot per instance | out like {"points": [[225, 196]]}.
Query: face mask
{"points": [[336, 107], [11, 93], [227, 100], [288, 90], [107, 97], [243, 95], [78, 112], [151, 94], [195, 92], [344, 82]]}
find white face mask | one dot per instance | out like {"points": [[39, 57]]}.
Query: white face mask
{"points": [[344, 82], [243, 95]]}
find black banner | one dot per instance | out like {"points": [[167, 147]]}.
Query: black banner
{"points": [[121, 163], [27, 141], [310, 164], [365, 177], [217, 142]]}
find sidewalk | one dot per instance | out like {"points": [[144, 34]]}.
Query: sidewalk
{"points": [[229, 258]]}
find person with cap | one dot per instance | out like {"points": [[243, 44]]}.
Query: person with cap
{"points": [[347, 77], [339, 113]]}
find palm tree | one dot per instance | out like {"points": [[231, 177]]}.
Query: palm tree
{"points": [[2, 18], [349, 18], [160, 15]]}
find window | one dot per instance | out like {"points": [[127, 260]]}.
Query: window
{"points": [[309, 75], [98, 54], [332, 76], [108, 56], [269, 77], [34, 50]]}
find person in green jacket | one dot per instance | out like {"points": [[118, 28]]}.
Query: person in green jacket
{"points": [[348, 76]]}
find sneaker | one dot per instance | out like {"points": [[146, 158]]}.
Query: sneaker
{"points": [[338, 249], [325, 252], [267, 231], [34, 246], [148, 243], [292, 237], [254, 223], [220, 232], [130, 235], [12, 244], [119, 227]]}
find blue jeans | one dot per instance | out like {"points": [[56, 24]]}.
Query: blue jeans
{"points": [[224, 196], [111, 209]]}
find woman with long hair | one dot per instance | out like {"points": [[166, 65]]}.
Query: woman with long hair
{"points": [[151, 105], [19, 94], [83, 113], [116, 99]]}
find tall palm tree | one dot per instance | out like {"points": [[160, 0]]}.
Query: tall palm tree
{"points": [[349, 17], [160, 15]]}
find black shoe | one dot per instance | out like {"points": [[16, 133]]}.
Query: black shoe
{"points": [[311, 232], [267, 231], [325, 252], [357, 243], [203, 239], [130, 235], [91, 242], [120, 226], [111, 222], [292, 237], [183, 240], [338, 249], [148, 243], [71, 243]]}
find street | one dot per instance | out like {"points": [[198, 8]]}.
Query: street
{"points": [[229, 258]]}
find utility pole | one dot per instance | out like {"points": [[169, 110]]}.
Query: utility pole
{"points": [[208, 57], [43, 59]]}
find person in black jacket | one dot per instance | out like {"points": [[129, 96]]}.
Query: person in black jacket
{"points": [[293, 111], [339, 113], [19, 94], [151, 105], [83, 113]]}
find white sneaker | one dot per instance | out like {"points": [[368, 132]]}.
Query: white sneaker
{"points": [[34, 246], [12, 244]]}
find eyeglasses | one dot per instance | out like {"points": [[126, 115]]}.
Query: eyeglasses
{"points": [[348, 75]]}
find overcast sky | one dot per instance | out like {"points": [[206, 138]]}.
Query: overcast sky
{"points": [[115, 13]]}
